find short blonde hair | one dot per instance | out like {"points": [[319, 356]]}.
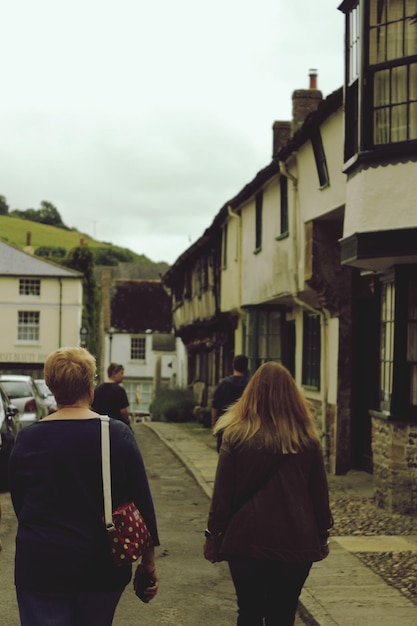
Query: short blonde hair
{"points": [[69, 374]]}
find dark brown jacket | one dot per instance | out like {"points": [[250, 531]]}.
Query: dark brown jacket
{"points": [[286, 520]]}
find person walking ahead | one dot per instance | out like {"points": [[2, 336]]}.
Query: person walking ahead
{"points": [[269, 515], [228, 391], [110, 398]]}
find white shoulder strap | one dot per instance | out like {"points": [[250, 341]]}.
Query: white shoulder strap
{"points": [[105, 467]]}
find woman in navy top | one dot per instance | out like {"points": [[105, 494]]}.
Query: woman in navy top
{"points": [[64, 573]]}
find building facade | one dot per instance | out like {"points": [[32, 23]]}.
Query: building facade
{"points": [[40, 310], [136, 331], [380, 235]]}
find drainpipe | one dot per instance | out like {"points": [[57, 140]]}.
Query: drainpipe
{"points": [[324, 318], [60, 314], [284, 172], [237, 217], [324, 321]]}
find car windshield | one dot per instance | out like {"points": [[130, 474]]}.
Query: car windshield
{"points": [[43, 388], [16, 389]]}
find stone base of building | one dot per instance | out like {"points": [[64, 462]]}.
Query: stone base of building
{"points": [[394, 449]]}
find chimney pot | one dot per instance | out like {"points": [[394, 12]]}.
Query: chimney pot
{"points": [[313, 79]]}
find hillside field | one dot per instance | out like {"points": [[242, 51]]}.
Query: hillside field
{"points": [[14, 230]]}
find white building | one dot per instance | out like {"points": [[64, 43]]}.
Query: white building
{"points": [[40, 310]]}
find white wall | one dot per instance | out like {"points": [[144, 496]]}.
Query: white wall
{"points": [[382, 198], [60, 318]]}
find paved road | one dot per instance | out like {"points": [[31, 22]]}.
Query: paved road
{"points": [[193, 592]]}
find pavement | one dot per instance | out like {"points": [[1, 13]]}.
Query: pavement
{"points": [[341, 590]]}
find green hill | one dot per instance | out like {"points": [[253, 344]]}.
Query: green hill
{"points": [[14, 230]]}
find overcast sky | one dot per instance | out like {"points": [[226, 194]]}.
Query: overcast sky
{"points": [[139, 120]]}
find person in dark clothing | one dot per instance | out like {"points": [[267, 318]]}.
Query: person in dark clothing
{"points": [[269, 515], [228, 391], [110, 398], [64, 571]]}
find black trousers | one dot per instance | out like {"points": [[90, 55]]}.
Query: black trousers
{"points": [[267, 591]]}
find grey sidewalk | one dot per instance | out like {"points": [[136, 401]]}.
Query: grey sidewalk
{"points": [[341, 590]]}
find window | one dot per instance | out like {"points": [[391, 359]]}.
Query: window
{"points": [[163, 342], [201, 275], [138, 348], [258, 220], [311, 350], [412, 340], [29, 287], [320, 159], [224, 246], [264, 337], [387, 343], [28, 326], [381, 74], [139, 394], [353, 43], [398, 343], [393, 70], [188, 284], [284, 204], [353, 56]]}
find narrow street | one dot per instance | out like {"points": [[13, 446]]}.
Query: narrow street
{"points": [[192, 592]]}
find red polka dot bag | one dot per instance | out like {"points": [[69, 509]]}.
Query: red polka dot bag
{"points": [[127, 532]]}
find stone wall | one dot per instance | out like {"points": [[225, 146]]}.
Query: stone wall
{"points": [[394, 448], [326, 428]]}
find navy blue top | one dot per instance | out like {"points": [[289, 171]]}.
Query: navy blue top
{"points": [[57, 493], [109, 398]]}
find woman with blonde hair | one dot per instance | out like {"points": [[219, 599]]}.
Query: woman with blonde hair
{"points": [[269, 515], [64, 572]]}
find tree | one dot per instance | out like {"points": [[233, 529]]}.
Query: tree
{"points": [[4, 207], [49, 214], [54, 252], [81, 259]]}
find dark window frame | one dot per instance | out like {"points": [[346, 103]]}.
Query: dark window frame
{"points": [[382, 109], [401, 405], [224, 245], [311, 374], [284, 227], [259, 347], [320, 158], [138, 349], [29, 287], [258, 220], [28, 326]]}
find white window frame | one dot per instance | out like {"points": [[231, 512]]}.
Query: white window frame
{"points": [[138, 348], [28, 325]]}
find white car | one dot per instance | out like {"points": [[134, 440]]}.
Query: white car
{"points": [[24, 394], [46, 394]]}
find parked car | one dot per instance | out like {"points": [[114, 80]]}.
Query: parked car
{"points": [[9, 427], [46, 394], [23, 392]]}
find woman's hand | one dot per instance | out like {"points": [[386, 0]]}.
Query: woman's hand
{"points": [[149, 569], [211, 549], [324, 548]]}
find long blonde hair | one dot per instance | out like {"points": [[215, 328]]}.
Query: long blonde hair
{"points": [[272, 408]]}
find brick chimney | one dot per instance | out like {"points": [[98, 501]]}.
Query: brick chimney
{"points": [[281, 134], [304, 101], [28, 247]]}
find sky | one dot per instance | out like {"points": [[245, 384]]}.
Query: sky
{"points": [[140, 120]]}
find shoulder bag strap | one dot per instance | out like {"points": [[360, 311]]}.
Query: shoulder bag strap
{"points": [[265, 479], [105, 468]]}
